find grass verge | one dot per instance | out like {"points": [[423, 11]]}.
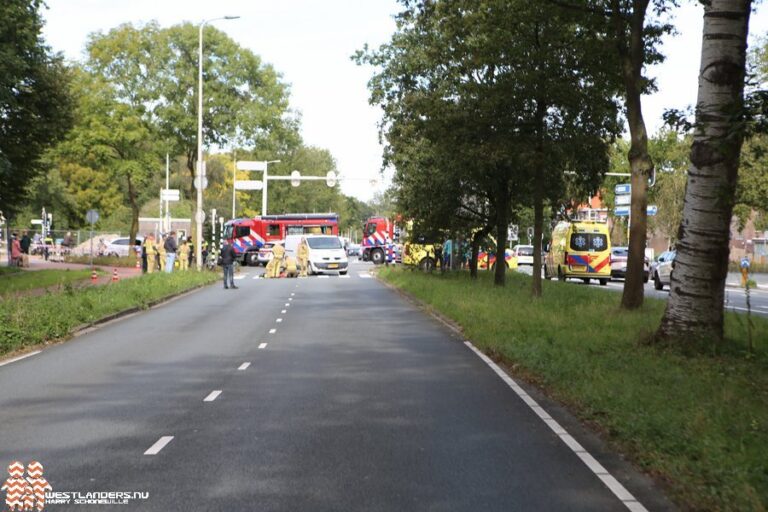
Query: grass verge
{"points": [[698, 423], [29, 321], [4, 271], [17, 282], [103, 261]]}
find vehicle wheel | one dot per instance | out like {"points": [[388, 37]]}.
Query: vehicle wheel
{"points": [[560, 274], [603, 282], [645, 277], [586, 280], [342, 272], [377, 256], [252, 259], [426, 265], [657, 282]]}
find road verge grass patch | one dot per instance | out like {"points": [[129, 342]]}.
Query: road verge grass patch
{"points": [[28, 280], [26, 321], [698, 422]]}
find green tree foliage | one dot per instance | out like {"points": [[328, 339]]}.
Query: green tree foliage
{"points": [[35, 109], [155, 71]]}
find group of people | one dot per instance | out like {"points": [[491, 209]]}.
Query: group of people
{"points": [[294, 267], [20, 249], [161, 254]]}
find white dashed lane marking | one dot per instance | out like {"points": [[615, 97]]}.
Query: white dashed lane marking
{"points": [[213, 396], [364, 275], [272, 331], [237, 278], [159, 445], [283, 311], [244, 366], [279, 320], [263, 345]]}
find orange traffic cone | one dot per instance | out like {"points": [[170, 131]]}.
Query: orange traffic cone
{"points": [[115, 278], [138, 264], [94, 277]]}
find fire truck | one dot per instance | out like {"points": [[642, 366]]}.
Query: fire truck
{"points": [[380, 244], [248, 235]]}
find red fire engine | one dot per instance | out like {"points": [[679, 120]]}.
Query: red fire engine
{"points": [[248, 235]]}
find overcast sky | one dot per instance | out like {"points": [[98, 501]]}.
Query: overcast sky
{"points": [[310, 41]]}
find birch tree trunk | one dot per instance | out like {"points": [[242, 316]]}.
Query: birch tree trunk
{"points": [[695, 307]]}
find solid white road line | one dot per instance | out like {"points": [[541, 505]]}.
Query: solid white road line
{"points": [[244, 366], [279, 320], [20, 358], [616, 488], [272, 331], [263, 345], [213, 396], [159, 445]]}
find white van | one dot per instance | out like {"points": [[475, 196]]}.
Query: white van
{"points": [[326, 253]]}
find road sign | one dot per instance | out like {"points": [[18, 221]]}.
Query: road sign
{"points": [[197, 182], [252, 166], [512, 231], [330, 179], [169, 194], [625, 188], [623, 200], [249, 185], [36, 222], [200, 217], [530, 233], [623, 211], [92, 216], [295, 178]]}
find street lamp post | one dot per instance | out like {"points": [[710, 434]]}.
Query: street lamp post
{"points": [[264, 190], [199, 213]]}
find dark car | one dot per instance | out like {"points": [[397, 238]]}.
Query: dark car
{"points": [[619, 256]]}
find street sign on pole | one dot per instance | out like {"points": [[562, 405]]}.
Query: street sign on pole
{"points": [[295, 178], [623, 211], [92, 216], [249, 185], [197, 182], [36, 222], [623, 189], [512, 232], [330, 179], [170, 194], [251, 165], [623, 200]]}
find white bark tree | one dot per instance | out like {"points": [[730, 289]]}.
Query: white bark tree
{"points": [[695, 307]]}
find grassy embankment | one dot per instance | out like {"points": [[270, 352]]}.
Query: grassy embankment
{"points": [[698, 422], [12, 282], [26, 321], [103, 261]]}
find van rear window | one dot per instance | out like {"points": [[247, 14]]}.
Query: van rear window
{"points": [[593, 242]]}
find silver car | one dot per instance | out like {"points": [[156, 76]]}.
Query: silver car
{"points": [[662, 271]]}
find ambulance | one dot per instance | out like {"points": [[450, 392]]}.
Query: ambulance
{"points": [[579, 249]]}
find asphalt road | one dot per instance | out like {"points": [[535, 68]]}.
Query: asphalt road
{"points": [[735, 297], [299, 394]]}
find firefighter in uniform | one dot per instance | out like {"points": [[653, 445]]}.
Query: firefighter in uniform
{"points": [[278, 252], [184, 255], [303, 255], [149, 248], [160, 253], [290, 267]]}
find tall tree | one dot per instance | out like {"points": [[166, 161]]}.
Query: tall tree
{"points": [[35, 109], [695, 306]]}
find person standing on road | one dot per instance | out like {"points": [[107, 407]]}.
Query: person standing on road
{"points": [[184, 254], [303, 255], [170, 251], [149, 249], [744, 267], [228, 257]]}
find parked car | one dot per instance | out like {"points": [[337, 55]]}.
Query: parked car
{"points": [[353, 250], [326, 253], [662, 273], [524, 254], [619, 256], [120, 246]]}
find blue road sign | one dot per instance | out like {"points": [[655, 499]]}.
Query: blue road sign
{"points": [[625, 188], [623, 211]]}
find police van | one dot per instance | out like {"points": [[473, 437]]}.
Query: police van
{"points": [[580, 249]]}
